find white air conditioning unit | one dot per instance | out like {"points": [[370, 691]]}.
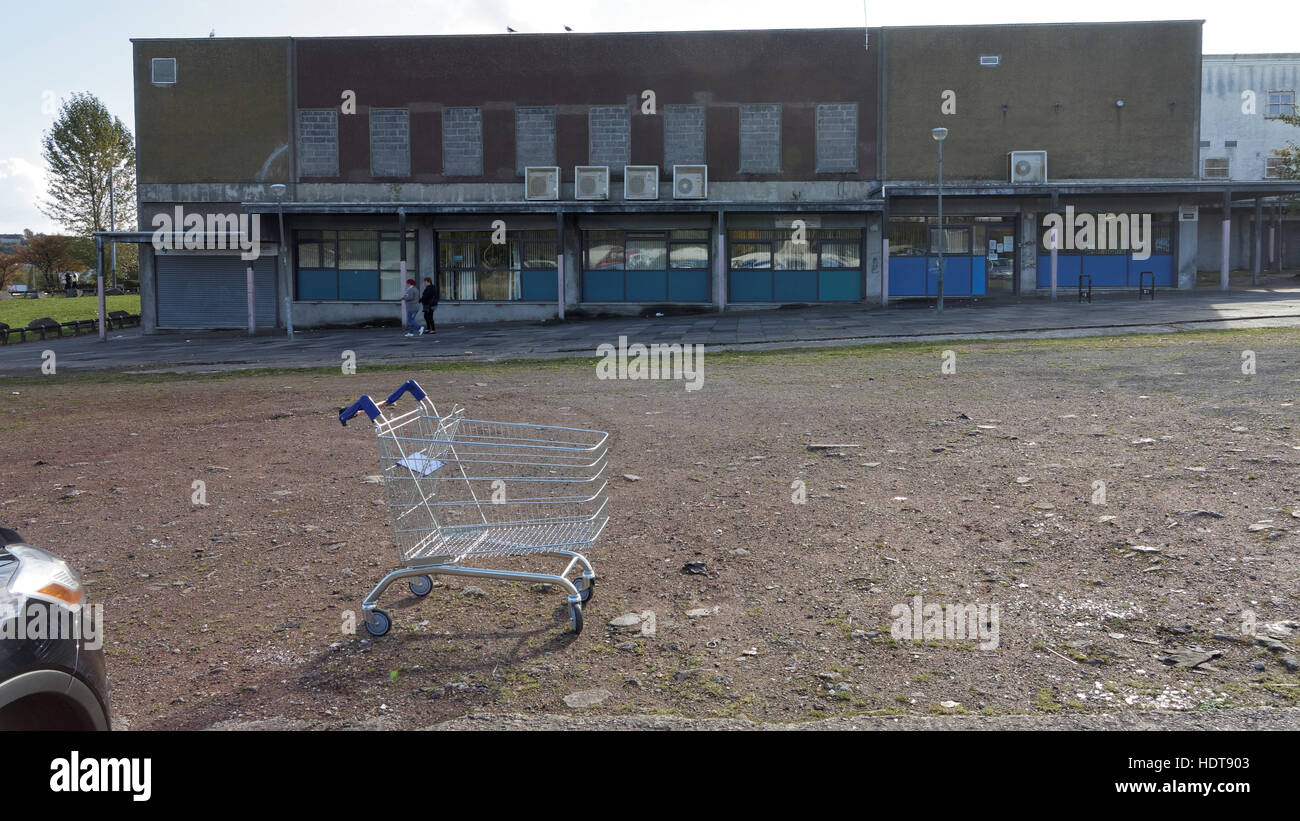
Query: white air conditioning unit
{"points": [[690, 182], [1027, 166], [542, 182], [591, 182], [640, 182]]}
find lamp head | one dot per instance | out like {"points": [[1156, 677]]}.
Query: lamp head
{"points": [[939, 133]]}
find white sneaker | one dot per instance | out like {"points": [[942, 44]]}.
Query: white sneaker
{"points": [[408, 333], [421, 331]]}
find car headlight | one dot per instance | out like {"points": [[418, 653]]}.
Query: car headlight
{"points": [[43, 576]]}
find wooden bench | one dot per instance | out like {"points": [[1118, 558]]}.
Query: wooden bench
{"points": [[43, 326], [4, 333], [122, 318]]}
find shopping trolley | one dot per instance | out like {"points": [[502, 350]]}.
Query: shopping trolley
{"points": [[466, 493]]}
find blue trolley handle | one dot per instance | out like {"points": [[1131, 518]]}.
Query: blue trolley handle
{"points": [[410, 386], [365, 403], [371, 407]]}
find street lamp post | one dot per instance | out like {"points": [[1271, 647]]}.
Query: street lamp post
{"points": [[939, 134], [112, 222]]}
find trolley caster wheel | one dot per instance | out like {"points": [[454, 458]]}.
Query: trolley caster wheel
{"points": [[421, 585], [378, 623], [575, 618], [585, 587]]}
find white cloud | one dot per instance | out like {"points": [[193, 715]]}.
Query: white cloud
{"points": [[20, 168], [22, 182]]}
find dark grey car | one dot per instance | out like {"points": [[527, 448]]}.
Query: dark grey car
{"points": [[51, 649]]}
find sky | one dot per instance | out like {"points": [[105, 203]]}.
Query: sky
{"points": [[57, 47]]}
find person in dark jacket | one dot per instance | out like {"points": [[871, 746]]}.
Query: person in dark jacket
{"points": [[429, 299]]}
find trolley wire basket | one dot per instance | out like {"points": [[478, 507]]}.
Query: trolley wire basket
{"points": [[465, 492]]}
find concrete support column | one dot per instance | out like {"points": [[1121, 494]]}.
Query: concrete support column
{"points": [[872, 261], [1256, 249], [148, 288], [1227, 241], [1188, 245], [1278, 210], [884, 254], [720, 261], [426, 252], [559, 264], [251, 294], [571, 242], [1028, 253], [1272, 236]]}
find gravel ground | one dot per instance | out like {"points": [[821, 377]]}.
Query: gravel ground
{"points": [[1239, 718], [979, 487]]}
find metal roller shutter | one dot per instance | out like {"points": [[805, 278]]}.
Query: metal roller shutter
{"points": [[210, 291]]}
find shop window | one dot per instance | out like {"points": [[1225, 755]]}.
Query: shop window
{"points": [[473, 268], [907, 237], [775, 249], [354, 266]]}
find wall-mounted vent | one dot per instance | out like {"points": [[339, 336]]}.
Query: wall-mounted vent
{"points": [[1229, 143], [990, 59], [1205, 143], [690, 182], [163, 71], [542, 182], [640, 182], [591, 182], [1027, 167]]}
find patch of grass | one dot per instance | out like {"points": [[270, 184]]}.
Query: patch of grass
{"points": [[18, 313], [1045, 702]]}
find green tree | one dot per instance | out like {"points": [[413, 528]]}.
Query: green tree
{"points": [[50, 255], [81, 250], [1290, 169], [84, 146], [11, 266], [1290, 155]]}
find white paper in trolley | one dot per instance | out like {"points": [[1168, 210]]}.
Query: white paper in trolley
{"points": [[421, 464]]}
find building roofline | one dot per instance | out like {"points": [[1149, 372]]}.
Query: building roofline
{"points": [[1043, 25], [1272, 56], [821, 30]]}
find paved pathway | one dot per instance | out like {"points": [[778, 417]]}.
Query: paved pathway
{"points": [[1276, 305]]}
